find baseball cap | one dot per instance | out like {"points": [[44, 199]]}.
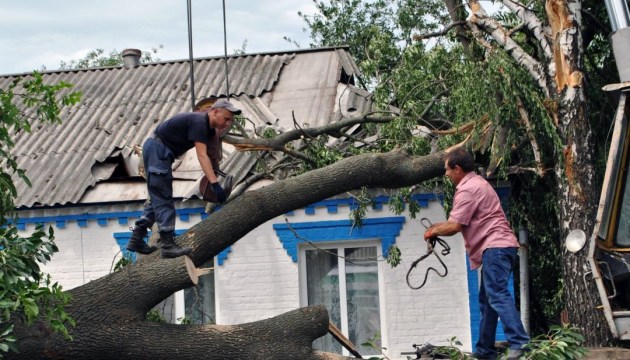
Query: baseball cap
{"points": [[224, 104]]}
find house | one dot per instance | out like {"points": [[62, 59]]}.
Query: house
{"points": [[86, 185]]}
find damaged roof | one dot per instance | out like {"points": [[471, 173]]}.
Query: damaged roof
{"points": [[89, 157]]}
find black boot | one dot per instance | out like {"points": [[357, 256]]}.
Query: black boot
{"points": [[170, 249], [136, 241]]}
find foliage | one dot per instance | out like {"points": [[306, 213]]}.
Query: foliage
{"points": [[561, 342], [545, 249], [98, 58], [442, 83], [24, 289], [393, 256], [156, 316], [404, 200], [374, 343], [124, 260], [362, 201]]}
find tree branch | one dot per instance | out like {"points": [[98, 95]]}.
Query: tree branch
{"points": [[533, 23], [278, 143], [419, 37], [531, 136], [499, 34]]}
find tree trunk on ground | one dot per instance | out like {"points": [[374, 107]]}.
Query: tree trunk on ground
{"points": [[110, 311]]}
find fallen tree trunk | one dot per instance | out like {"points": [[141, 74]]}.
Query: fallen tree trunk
{"points": [[110, 311], [288, 336]]}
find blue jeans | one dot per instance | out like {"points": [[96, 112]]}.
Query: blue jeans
{"points": [[496, 302], [160, 206]]}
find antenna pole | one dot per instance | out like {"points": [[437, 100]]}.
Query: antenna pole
{"points": [[190, 55], [227, 81]]}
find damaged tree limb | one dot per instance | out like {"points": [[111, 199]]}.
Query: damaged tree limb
{"points": [[110, 311]]}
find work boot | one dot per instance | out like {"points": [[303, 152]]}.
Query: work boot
{"points": [[136, 241], [170, 249]]}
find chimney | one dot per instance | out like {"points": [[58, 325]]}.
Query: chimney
{"points": [[131, 58]]}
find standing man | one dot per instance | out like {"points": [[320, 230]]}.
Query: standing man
{"points": [[171, 139], [478, 215]]}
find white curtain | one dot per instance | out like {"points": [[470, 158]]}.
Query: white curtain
{"points": [[360, 300], [322, 279], [364, 320]]}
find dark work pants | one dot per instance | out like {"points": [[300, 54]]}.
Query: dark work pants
{"points": [[159, 207]]}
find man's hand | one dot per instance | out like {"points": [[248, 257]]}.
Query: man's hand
{"points": [[219, 192], [428, 234]]}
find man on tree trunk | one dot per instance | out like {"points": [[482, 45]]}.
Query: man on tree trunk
{"points": [[172, 139]]}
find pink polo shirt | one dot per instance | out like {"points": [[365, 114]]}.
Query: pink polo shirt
{"points": [[477, 208]]}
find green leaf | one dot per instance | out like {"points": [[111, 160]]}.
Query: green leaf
{"points": [[6, 331]]}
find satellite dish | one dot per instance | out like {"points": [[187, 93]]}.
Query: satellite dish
{"points": [[575, 240]]}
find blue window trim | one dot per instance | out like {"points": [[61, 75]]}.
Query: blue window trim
{"points": [[386, 229], [122, 238]]}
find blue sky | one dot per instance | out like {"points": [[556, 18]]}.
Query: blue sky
{"points": [[38, 33]]}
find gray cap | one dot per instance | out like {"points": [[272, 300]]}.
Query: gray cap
{"points": [[224, 104]]}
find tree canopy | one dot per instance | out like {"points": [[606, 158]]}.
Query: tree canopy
{"points": [[487, 73]]}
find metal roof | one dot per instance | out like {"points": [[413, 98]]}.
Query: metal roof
{"points": [[120, 107]]}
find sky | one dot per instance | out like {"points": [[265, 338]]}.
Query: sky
{"points": [[43, 33]]}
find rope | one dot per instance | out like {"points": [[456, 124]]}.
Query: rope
{"points": [[431, 245]]}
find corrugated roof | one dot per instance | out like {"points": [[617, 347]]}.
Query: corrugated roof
{"points": [[120, 107]]}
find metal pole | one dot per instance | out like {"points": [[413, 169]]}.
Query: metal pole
{"points": [[227, 82], [618, 14], [524, 276], [190, 54]]}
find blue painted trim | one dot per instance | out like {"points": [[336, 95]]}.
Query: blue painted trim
{"points": [[386, 229], [332, 205], [122, 238], [122, 218], [102, 219]]}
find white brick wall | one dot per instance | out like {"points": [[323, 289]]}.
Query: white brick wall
{"points": [[259, 280]]}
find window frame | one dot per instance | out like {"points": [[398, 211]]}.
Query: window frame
{"points": [[340, 245]]}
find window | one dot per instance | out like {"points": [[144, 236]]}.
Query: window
{"points": [[199, 300], [344, 278]]}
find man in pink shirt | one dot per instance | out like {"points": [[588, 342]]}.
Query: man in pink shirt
{"points": [[478, 215]]}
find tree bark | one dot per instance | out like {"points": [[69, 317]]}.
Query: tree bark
{"points": [[558, 71], [288, 336], [110, 311], [577, 191]]}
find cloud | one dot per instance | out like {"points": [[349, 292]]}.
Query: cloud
{"points": [[40, 32]]}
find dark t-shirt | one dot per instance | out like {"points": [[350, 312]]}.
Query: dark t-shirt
{"points": [[181, 131]]}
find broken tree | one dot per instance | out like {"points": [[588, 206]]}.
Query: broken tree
{"points": [[110, 311]]}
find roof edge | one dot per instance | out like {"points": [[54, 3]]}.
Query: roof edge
{"points": [[279, 52]]}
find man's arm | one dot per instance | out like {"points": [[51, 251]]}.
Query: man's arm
{"points": [[204, 161], [447, 228]]}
